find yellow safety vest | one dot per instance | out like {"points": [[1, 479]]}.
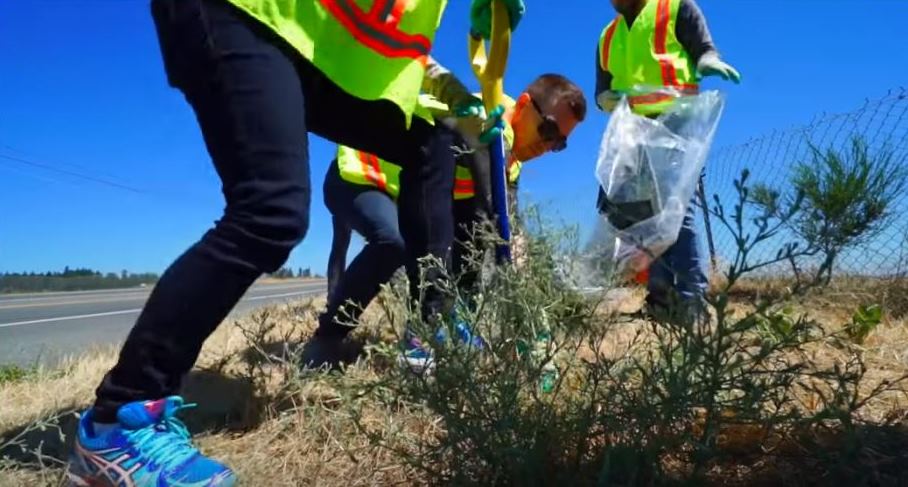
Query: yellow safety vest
{"points": [[648, 55], [372, 49], [365, 169]]}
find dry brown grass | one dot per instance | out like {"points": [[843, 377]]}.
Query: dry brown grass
{"points": [[885, 351], [250, 418], [843, 291], [298, 434]]}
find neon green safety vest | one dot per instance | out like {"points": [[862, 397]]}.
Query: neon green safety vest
{"points": [[372, 49], [648, 55], [365, 169]]}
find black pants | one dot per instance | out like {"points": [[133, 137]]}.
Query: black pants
{"points": [[468, 216], [374, 215], [256, 100]]}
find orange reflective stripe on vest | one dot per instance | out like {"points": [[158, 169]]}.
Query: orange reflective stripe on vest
{"points": [[657, 98], [361, 168], [463, 188], [669, 76], [606, 46], [372, 170], [377, 28]]}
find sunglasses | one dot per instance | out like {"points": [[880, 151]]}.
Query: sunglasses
{"points": [[549, 131]]}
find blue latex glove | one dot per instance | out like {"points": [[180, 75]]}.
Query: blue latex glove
{"points": [[481, 16], [493, 126], [712, 65]]}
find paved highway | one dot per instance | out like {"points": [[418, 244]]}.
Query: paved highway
{"points": [[42, 328]]}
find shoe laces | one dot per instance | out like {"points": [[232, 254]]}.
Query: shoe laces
{"points": [[167, 442]]}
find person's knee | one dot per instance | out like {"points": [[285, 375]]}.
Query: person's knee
{"points": [[264, 229], [297, 225], [392, 245], [382, 228], [283, 218]]}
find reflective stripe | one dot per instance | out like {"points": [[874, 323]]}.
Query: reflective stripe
{"points": [[388, 12], [606, 47], [655, 98], [377, 33], [380, 9], [650, 98], [464, 188], [463, 183], [372, 170], [669, 78], [361, 168], [669, 75]]}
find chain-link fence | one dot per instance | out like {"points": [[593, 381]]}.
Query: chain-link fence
{"points": [[882, 124]]}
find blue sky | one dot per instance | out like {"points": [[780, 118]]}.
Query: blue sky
{"points": [[82, 90]]}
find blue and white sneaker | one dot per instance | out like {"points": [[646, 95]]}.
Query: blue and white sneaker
{"points": [[415, 356], [149, 447]]}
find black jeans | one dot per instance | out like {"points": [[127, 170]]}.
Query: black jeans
{"points": [[337, 259], [467, 239], [256, 100], [374, 215]]}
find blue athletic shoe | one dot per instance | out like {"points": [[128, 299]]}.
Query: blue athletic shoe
{"points": [[149, 447], [464, 334], [416, 356], [462, 331]]}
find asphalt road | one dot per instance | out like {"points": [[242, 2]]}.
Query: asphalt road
{"points": [[43, 328]]}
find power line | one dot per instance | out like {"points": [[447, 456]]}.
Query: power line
{"points": [[79, 168], [75, 174]]}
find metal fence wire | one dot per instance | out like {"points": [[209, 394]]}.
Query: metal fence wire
{"points": [[881, 123]]}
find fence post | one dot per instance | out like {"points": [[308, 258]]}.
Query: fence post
{"points": [[701, 193]]}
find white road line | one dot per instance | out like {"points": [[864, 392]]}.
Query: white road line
{"points": [[51, 294], [137, 310], [68, 318], [117, 294], [113, 297]]}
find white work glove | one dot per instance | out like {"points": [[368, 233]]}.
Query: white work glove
{"points": [[711, 65], [608, 100]]}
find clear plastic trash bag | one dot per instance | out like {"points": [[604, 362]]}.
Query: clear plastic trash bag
{"points": [[648, 169]]}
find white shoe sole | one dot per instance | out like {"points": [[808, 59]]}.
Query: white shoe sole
{"points": [[417, 365]]}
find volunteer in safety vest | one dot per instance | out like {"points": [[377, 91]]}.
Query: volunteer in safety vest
{"points": [[360, 191], [653, 45], [260, 75]]}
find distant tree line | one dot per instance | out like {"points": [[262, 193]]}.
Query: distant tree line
{"points": [[71, 280], [287, 273]]}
